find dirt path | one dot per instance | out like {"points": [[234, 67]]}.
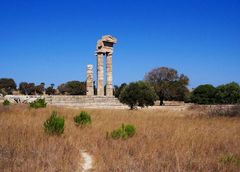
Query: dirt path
{"points": [[87, 161]]}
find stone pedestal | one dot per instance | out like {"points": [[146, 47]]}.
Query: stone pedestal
{"points": [[90, 89], [100, 75], [109, 86]]}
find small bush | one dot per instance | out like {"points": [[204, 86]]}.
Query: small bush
{"points": [[6, 103], [83, 119], [54, 124], [118, 133], [124, 132], [130, 130], [39, 103]]}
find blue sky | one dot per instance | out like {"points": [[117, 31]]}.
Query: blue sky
{"points": [[52, 41]]}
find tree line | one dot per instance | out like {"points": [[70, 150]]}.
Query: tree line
{"points": [[8, 86], [166, 84], [161, 83], [223, 94]]}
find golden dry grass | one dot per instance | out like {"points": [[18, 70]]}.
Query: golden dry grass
{"points": [[165, 141]]}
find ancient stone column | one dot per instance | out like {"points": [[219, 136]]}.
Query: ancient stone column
{"points": [[100, 75], [90, 89], [105, 47], [109, 86]]}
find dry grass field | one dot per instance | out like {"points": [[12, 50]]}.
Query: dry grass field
{"points": [[166, 140]]}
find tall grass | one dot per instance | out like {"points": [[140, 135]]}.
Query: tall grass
{"points": [[168, 141]]}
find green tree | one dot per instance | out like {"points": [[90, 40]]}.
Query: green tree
{"points": [[27, 88], [228, 93], [118, 90], [73, 88], [178, 91], [40, 88], [138, 94], [204, 94], [50, 90], [7, 86], [62, 88], [168, 84]]}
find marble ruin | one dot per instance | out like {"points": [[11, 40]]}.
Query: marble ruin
{"points": [[104, 48], [90, 88]]}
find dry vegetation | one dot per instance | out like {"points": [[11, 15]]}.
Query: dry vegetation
{"points": [[165, 141]]}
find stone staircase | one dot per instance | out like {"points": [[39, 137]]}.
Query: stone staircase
{"points": [[85, 101]]}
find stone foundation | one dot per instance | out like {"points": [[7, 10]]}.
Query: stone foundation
{"points": [[85, 101], [68, 100]]}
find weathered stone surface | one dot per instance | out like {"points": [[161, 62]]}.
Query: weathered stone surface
{"points": [[22, 98], [100, 75], [85, 101], [68, 100], [90, 89], [109, 85], [105, 47]]}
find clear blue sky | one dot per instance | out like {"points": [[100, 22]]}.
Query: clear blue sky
{"points": [[52, 41]]}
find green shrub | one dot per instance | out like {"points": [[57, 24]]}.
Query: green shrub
{"points": [[83, 119], [54, 124], [204, 94], [124, 132], [118, 90], [138, 94], [6, 103], [223, 94], [118, 133], [228, 93], [39, 103], [130, 130]]}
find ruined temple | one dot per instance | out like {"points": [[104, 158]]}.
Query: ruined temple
{"points": [[104, 48]]}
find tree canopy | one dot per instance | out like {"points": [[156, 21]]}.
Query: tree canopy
{"points": [[118, 90], [7, 86], [228, 93], [168, 84], [204, 94], [223, 94], [73, 88], [27, 88], [50, 90], [138, 94]]}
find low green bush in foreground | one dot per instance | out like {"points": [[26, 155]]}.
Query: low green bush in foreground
{"points": [[39, 103], [83, 119], [124, 132], [6, 103], [54, 124]]}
